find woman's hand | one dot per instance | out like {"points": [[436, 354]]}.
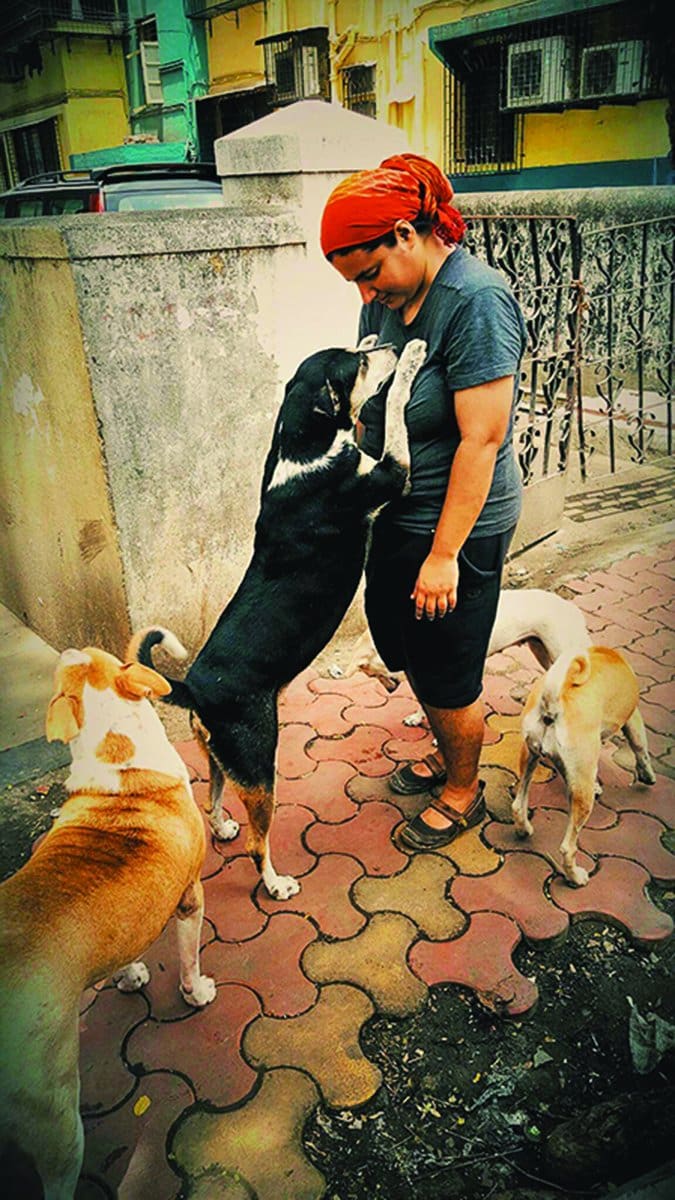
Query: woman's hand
{"points": [[435, 591]]}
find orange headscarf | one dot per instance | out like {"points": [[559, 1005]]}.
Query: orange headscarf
{"points": [[367, 205]]}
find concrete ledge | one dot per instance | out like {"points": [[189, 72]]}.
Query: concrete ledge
{"points": [[142, 235], [604, 206]]}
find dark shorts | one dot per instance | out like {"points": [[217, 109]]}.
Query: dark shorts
{"points": [[444, 659]]}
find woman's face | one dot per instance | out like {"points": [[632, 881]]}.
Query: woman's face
{"points": [[392, 275]]}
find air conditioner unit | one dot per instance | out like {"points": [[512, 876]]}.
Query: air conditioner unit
{"points": [[538, 73], [614, 69]]}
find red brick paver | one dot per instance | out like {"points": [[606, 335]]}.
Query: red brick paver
{"points": [[371, 927]]}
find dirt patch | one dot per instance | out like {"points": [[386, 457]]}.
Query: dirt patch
{"points": [[476, 1107]]}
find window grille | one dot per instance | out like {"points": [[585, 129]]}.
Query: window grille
{"points": [[148, 45], [36, 148], [297, 65], [574, 60], [358, 89]]}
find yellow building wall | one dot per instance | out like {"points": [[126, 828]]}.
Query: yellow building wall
{"points": [[84, 87], [235, 62], [610, 132], [410, 80]]}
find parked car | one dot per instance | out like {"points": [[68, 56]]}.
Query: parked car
{"points": [[131, 187]]}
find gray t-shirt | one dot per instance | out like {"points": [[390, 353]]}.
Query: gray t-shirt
{"points": [[475, 333]]}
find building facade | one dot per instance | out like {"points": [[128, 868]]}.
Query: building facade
{"points": [[62, 82], [538, 93]]}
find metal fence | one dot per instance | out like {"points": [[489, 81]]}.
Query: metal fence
{"points": [[600, 313]]}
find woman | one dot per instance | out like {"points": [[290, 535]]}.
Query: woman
{"points": [[434, 569]]}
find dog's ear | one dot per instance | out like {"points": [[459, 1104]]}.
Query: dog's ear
{"points": [[579, 670], [327, 403], [61, 724], [136, 682]]}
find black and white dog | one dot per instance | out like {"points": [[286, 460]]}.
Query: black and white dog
{"points": [[319, 492]]}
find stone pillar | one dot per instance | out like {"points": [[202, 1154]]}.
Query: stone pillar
{"points": [[288, 163]]}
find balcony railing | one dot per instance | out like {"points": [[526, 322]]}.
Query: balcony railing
{"points": [[23, 20], [203, 9]]}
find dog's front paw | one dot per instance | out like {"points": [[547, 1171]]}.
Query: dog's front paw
{"points": [[132, 978], [575, 876], [597, 788], [644, 772], [414, 718], [203, 992], [224, 829], [412, 358], [282, 887]]}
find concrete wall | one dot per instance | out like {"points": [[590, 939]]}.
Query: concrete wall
{"points": [[148, 379], [60, 566]]}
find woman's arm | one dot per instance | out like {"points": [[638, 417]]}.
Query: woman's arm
{"points": [[482, 414]]}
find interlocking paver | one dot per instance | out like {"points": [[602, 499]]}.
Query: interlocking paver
{"points": [[419, 892], [635, 836], [617, 892], [656, 718], [229, 904], [390, 716], [324, 897], [506, 751], [362, 748], [105, 1080], [480, 959], [335, 1060], [324, 713], [375, 960], [161, 959], [205, 1046], [256, 1149], [647, 668], [470, 855], [127, 1148], [269, 964], [662, 693], [324, 791], [292, 759], [516, 890], [553, 794], [365, 790], [195, 759], [549, 830], [499, 785], [301, 686], [366, 837], [289, 854], [658, 646], [416, 744], [357, 688]]}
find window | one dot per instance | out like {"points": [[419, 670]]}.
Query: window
{"points": [[358, 89], [482, 137], [36, 149], [148, 46], [297, 65]]}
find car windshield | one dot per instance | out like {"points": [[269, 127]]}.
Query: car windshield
{"points": [[209, 197]]}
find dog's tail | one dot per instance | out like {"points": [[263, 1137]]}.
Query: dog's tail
{"points": [[140, 650], [568, 671]]}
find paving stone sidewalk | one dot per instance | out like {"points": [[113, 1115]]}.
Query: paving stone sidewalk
{"points": [[212, 1103]]}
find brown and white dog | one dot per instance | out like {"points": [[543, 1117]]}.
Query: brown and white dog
{"points": [[122, 857], [581, 699]]}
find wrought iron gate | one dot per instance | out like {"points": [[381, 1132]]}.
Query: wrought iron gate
{"points": [[600, 313]]}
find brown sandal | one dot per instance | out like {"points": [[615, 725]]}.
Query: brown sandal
{"points": [[407, 782], [417, 835]]}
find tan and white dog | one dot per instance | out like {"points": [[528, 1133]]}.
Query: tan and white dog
{"points": [[122, 857], [581, 699]]}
